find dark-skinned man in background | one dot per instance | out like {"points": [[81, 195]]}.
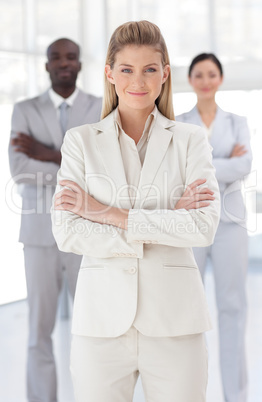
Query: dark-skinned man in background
{"points": [[38, 127]]}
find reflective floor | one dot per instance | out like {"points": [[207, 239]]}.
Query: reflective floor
{"points": [[13, 335]]}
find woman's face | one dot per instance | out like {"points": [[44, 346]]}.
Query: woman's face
{"points": [[138, 76], [205, 79]]}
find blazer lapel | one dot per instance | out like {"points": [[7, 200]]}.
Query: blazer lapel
{"points": [[108, 145], [194, 116], [157, 147], [78, 112], [47, 111], [219, 129]]}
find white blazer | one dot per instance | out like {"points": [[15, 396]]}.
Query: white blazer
{"points": [[228, 130], [145, 276]]}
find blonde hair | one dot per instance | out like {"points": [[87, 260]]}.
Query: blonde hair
{"points": [[139, 33]]}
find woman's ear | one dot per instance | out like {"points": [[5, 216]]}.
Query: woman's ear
{"points": [[109, 75], [166, 73]]}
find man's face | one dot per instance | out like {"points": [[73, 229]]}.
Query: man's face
{"points": [[63, 63]]}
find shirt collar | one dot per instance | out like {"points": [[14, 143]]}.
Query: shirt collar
{"points": [[58, 100], [148, 126]]}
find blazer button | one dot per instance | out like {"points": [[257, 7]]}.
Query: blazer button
{"points": [[132, 270]]}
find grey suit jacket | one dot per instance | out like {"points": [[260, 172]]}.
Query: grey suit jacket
{"points": [[36, 179], [228, 130]]}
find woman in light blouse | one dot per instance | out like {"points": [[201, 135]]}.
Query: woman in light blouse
{"points": [[228, 135], [136, 191]]}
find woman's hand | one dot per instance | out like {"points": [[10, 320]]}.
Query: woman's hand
{"points": [[238, 150], [195, 197], [74, 199]]}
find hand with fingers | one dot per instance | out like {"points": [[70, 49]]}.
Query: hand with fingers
{"points": [[34, 149], [195, 197], [238, 150], [74, 199]]}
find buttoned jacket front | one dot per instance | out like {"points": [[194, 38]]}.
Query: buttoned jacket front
{"points": [[144, 276]]}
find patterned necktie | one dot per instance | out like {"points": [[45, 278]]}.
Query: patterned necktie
{"points": [[63, 116]]}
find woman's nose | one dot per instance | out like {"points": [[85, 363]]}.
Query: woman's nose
{"points": [[138, 80], [205, 80]]}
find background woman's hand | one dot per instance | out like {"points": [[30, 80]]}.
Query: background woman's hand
{"points": [[195, 197], [238, 150]]}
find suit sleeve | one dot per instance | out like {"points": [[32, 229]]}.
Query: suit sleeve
{"points": [[76, 234], [182, 228], [24, 169], [229, 170]]}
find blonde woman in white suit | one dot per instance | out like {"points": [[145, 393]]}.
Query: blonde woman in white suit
{"points": [[136, 191], [229, 137]]}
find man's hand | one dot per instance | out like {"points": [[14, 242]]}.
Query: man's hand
{"points": [[34, 149]]}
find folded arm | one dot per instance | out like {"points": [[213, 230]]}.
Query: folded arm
{"points": [[238, 164], [74, 207], [28, 158]]}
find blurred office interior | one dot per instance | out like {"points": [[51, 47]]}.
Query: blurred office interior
{"points": [[231, 29]]}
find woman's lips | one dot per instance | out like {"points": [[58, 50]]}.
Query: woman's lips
{"points": [[137, 93]]}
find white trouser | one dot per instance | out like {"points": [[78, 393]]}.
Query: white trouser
{"points": [[172, 369], [229, 258], [44, 273]]}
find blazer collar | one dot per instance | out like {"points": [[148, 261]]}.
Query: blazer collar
{"points": [[194, 115], [108, 122], [156, 150], [219, 126], [48, 113], [82, 104], [108, 145]]}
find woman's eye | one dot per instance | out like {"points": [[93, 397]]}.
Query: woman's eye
{"points": [[151, 70], [126, 70]]}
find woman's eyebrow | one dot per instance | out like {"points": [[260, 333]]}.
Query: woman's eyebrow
{"points": [[130, 65]]}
